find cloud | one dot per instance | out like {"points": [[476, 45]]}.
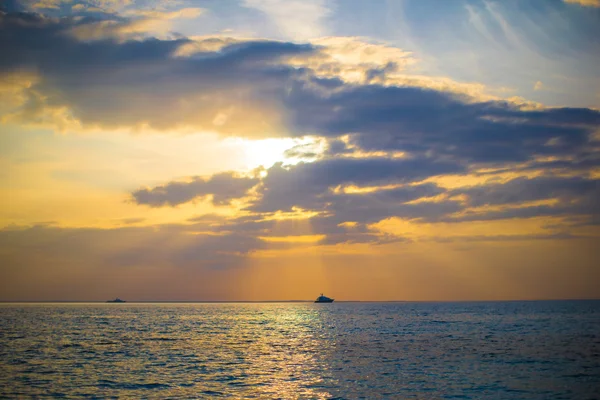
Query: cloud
{"points": [[567, 190], [538, 85], [47, 4], [354, 216], [120, 30], [356, 60], [343, 198], [267, 88], [223, 188], [585, 3], [187, 13], [135, 24], [439, 124], [141, 83], [320, 194], [520, 198], [294, 19], [377, 132], [50, 7], [308, 185]]}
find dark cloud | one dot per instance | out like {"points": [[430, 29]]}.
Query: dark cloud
{"points": [[222, 187], [346, 216], [336, 147], [307, 185], [442, 125], [252, 88], [111, 83], [9, 6], [341, 217], [249, 88], [373, 207], [584, 164], [564, 189], [570, 196]]}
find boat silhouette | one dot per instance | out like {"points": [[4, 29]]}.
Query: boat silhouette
{"points": [[117, 300], [323, 299]]}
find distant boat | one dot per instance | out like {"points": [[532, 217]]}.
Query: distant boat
{"points": [[117, 300], [323, 299]]}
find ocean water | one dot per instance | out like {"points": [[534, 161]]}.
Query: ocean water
{"points": [[488, 350]]}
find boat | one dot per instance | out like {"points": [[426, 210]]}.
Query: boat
{"points": [[323, 299], [117, 300]]}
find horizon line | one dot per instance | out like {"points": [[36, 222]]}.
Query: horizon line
{"points": [[293, 301]]}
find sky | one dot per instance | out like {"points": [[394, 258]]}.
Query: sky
{"points": [[415, 150]]}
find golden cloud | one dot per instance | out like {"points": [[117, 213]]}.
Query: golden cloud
{"points": [[585, 3]]}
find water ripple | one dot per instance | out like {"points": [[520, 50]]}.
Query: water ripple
{"points": [[513, 350]]}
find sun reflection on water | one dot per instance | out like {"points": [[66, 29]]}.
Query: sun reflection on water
{"points": [[299, 350], [282, 347], [193, 350]]}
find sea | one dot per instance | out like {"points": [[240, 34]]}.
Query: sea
{"points": [[344, 350]]}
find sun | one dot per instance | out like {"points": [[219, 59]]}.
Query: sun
{"points": [[266, 152]]}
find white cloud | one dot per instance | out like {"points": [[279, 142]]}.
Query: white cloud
{"points": [[295, 19]]}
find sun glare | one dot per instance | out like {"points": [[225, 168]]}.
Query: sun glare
{"points": [[266, 152]]}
